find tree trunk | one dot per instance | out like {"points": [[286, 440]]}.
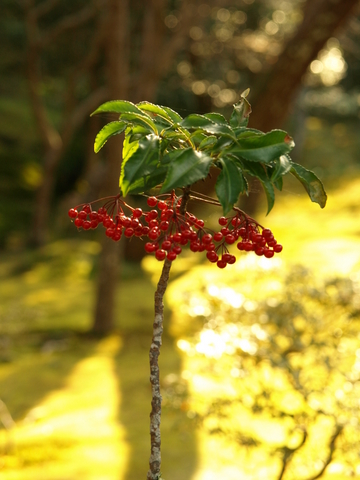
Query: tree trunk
{"points": [[117, 66], [273, 101]]}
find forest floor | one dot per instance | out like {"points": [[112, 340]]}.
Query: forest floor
{"points": [[81, 405]]}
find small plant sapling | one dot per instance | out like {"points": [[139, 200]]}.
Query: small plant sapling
{"points": [[164, 155]]}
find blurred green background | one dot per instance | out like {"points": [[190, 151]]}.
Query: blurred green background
{"points": [[260, 364]]}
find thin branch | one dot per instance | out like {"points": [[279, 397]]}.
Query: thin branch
{"points": [[338, 430], [288, 453], [69, 22], [155, 415], [45, 7]]}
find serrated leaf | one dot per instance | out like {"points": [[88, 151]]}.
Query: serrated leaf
{"points": [[117, 106], [156, 110], [195, 120], [208, 142], [189, 167], [240, 114], [216, 118], [243, 132], [279, 183], [257, 170], [223, 130], [282, 166], [175, 117], [139, 163], [197, 137], [140, 119], [264, 148], [230, 184], [311, 183], [112, 128], [147, 182]]}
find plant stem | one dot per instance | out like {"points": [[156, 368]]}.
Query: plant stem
{"points": [[155, 415]]}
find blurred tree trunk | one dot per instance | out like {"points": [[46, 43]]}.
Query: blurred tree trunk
{"points": [[275, 96], [157, 53], [117, 69], [321, 20], [55, 140]]}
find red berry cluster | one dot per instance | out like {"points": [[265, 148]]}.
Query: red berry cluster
{"points": [[168, 230]]}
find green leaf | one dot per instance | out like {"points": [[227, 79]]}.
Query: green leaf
{"points": [[175, 117], [155, 110], [258, 171], [216, 118], [117, 106], [112, 128], [279, 183], [147, 182], [140, 162], [264, 148], [141, 120], [196, 121], [311, 183], [203, 122], [282, 166], [197, 137], [230, 184], [243, 132], [189, 167], [208, 142], [240, 114]]}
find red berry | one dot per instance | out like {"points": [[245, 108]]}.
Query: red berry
{"points": [[242, 231], [221, 264], [137, 213], [162, 206], [78, 222], [199, 223], [116, 237], [160, 254], [231, 260], [266, 232], [177, 249], [209, 247], [72, 213], [212, 256], [171, 256], [135, 223], [87, 208], [164, 225], [225, 257], [278, 248], [93, 216], [129, 232], [218, 237], [86, 225], [240, 245], [230, 238], [235, 221], [225, 231], [154, 233], [223, 221], [272, 243], [207, 238], [82, 215], [149, 247], [94, 223], [153, 214], [194, 246], [259, 251], [153, 223], [166, 245], [176, 237], [247, 246], [152, 201], [268, 253], [109, 232]]}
